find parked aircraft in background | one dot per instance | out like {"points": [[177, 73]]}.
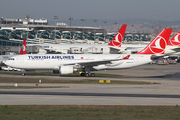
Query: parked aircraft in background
{"points": [[23, 48], [69, 63], [172, 48], [173, 45], [112, 48], [22, 51]]}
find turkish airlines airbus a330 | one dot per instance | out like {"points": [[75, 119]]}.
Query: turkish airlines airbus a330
{"points": [[69, 63]]}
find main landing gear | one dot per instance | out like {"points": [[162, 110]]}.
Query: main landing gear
{"points": [[86, 74], [90, 75]]}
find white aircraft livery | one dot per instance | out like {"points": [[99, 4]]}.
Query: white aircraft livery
{"points": [[69, 63], [172, 48]]}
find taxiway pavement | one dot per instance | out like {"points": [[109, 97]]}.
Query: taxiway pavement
{"points": [[166, 93]]}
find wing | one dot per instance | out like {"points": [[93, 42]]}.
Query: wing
{"points": [[97, 62], [158, 57], [115, 50], [51, 51], [134, 48], [176, 49]]}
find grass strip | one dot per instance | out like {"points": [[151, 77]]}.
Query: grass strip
{"points": [[84, 81], [88, 112], [31, 87], [53, 74]]}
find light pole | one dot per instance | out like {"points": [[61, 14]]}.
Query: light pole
{"points": [[70, 26], [115, 23], [83, 26], [94, 27], [104, 28], [141, 34], [152, 31], [132, 32], [27, 17], [55, 18], [1, 19]]}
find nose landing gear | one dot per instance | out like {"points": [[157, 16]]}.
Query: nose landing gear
{"points": [[23, 73]]}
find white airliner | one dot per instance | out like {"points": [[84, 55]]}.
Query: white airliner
{"points": [[22, 51], [69, 63], [111, 48], [172, 48]]}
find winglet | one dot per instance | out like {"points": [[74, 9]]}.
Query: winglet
{"points": [[175, 41], [23, 48], [127, 57], [158, 44], [117, 40]]}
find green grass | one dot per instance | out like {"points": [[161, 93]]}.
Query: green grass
{"points": [[44, 80], [52, 74], [30, 87], [85, 112]]}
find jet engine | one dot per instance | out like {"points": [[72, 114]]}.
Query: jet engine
{"points": [[66, 69]]}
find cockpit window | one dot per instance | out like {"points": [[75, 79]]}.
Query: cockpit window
{"points": [[11, 59]]}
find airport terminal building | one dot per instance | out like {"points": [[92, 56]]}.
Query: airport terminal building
{"points": [[13, 31]]}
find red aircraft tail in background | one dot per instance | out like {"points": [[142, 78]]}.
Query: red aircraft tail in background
{"points": [[117, 40], [158, 44], [23, 48], [175, 41]]}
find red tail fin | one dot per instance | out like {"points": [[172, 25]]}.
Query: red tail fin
{"points": [[23, 48], [158, 44], [175, 40], [117, 40]]}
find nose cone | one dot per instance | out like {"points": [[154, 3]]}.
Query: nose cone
{"points": [[4, 62]]}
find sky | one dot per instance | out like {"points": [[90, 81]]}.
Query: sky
{"points": [[167, 10]]}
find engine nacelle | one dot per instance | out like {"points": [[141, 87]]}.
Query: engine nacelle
{"points": [[66, 69]]}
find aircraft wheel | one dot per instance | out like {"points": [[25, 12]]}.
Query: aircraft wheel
{"points": [[87, 75], [23, 74], [82, 74], [92, 75]]}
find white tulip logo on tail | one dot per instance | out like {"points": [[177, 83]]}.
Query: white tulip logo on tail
{"points": [[158, 46], [23, 48], [117, 40], [176, 39]]}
